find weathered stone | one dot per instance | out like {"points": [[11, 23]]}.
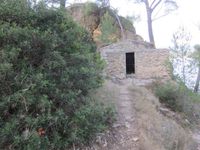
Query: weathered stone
{"points": [[149, 62], [89, 16]]}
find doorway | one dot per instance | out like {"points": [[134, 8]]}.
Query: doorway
{"points": [[130, 63]]}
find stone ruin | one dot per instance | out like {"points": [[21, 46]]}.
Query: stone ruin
{"points": [[135, 59]]}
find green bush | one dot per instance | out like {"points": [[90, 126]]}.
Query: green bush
{"points": [[108, 28], [90, 119], [48, 65], [168, 94], [90, 8], [179, 98]]}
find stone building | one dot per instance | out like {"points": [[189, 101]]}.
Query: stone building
{"points": [[132, 57], [137, 59]]}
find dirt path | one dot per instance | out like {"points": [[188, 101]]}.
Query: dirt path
{"points": [[124, 134], [128, 127]]}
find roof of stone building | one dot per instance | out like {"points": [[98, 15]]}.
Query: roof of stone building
{"points": [[129, 45]]}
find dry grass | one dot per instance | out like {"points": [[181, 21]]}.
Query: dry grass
{"points": [[107, 94], [158, 132]]}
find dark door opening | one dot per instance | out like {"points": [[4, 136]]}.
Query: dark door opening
{"points": [[130, 63]]}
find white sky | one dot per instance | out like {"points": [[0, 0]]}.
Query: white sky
{"points": [[188, 15]]}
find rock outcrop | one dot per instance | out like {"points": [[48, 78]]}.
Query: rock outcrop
{"points": [[91, 17]]}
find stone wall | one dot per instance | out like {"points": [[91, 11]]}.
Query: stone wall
{"points": [[115, 65], [149, 63]]}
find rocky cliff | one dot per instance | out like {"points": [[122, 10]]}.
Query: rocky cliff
{"points": [[102, 23]]}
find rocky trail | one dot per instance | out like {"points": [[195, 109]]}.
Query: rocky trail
{"points": [[127, 122], [124, 134]]}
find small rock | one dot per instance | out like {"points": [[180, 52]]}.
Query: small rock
{"points": [[105, 144], [98, 139], [127, 125], [164, 111], [135, 139], [187, 121], [116, 125]]}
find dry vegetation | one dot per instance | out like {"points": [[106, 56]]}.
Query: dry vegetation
{"points": [[107, 94], [157, 131]]}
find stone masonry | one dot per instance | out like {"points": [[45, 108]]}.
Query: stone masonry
{"points": [[150, 63]]}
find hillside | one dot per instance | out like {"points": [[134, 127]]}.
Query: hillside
{"points": [[142, 123]]}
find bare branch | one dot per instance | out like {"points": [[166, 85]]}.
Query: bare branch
{"points": [[158, 11], [158, 5], [153, 7], [154, 19], [119, 22], [152, 3]]}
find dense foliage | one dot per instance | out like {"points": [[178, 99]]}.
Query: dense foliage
{"points": [[47, 66]]}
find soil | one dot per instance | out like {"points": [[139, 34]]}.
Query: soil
{"points": [[128, 136], [196, 136], [124, 133]]}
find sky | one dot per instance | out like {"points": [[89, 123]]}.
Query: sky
{"points": [[188, 16]]}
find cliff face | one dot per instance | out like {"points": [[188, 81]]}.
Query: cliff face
{"points": [[87, 15], [102, 24]]}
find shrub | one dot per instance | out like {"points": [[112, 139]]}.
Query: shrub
{"points": [[48, 65], [108, 29], [168, 95], [178, 97], [89, 119], [90, 8]]}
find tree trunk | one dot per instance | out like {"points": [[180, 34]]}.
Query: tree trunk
{"points": [[150, 29], [183, 69], [196, 87], [121, 27], [149, 22], [120, 24]]}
